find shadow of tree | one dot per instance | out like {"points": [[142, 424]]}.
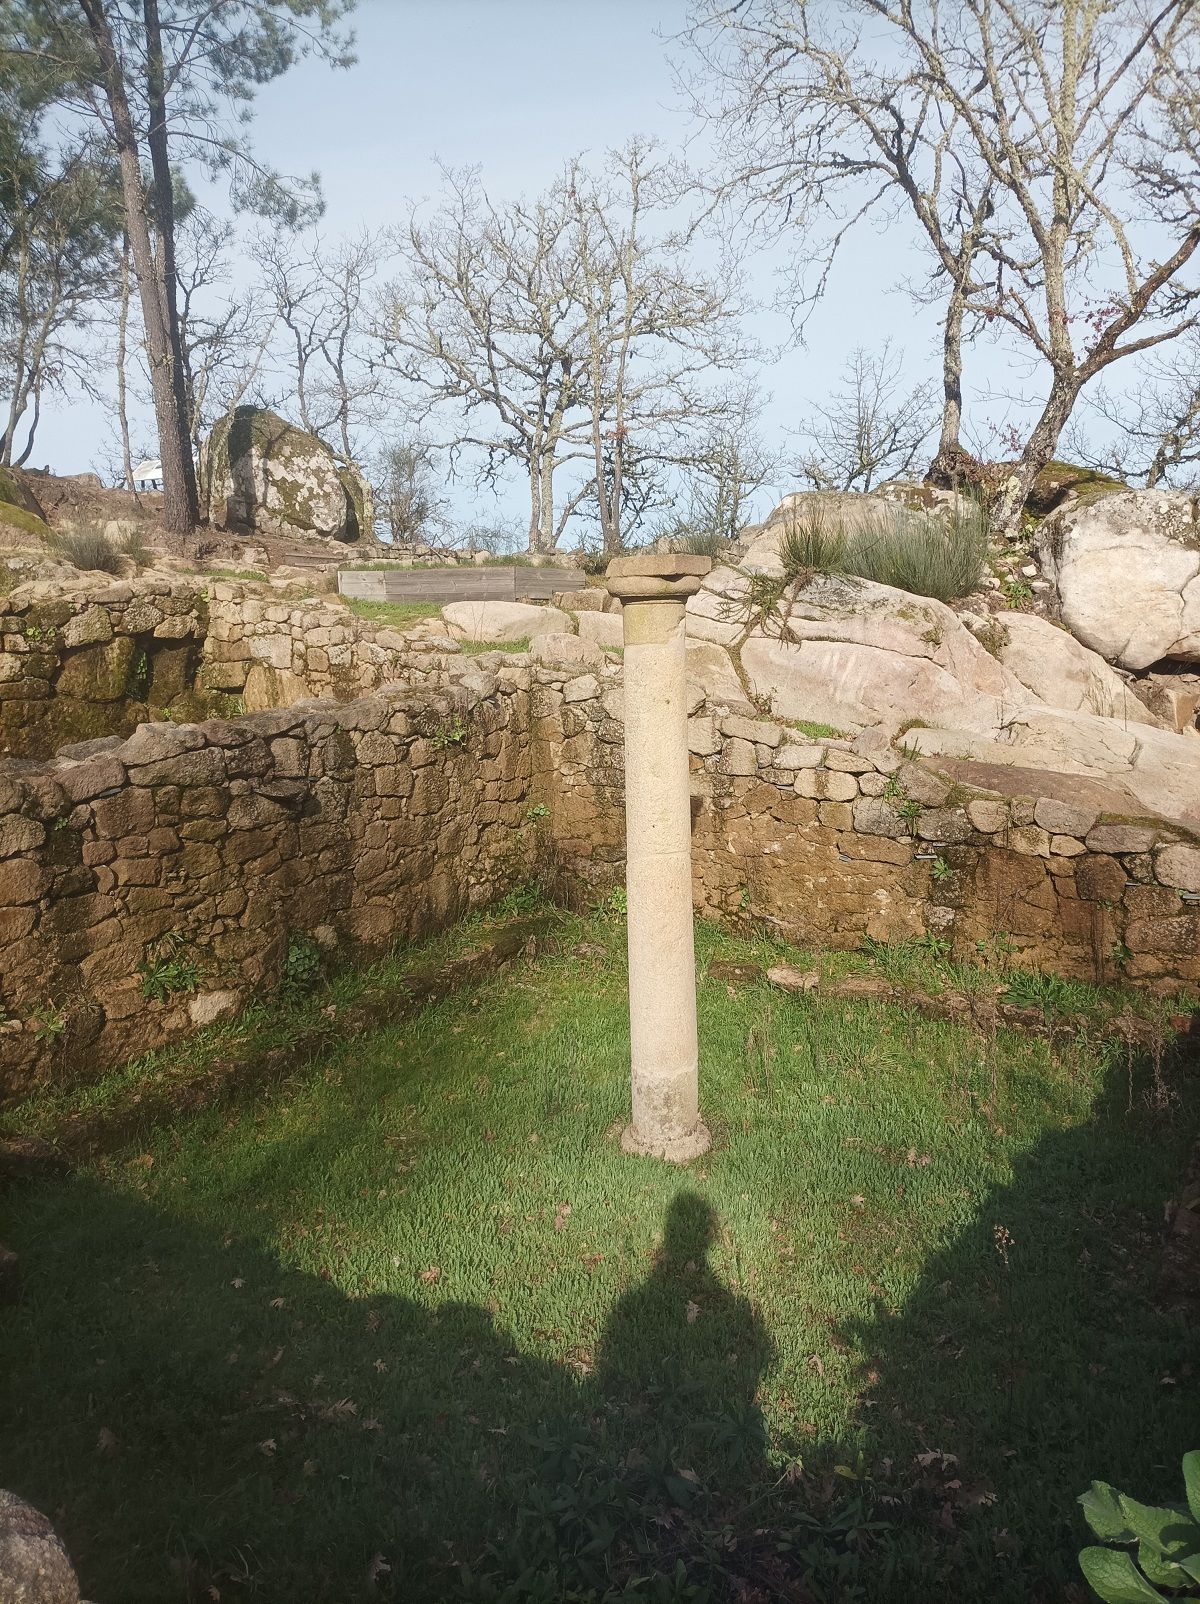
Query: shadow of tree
{"points": [[230, 1427]]}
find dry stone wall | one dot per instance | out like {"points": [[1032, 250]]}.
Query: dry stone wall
{"points": [[94, 660], [153, 884], [829, 841], [385, 817]]}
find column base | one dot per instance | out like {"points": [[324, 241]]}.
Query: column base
{"points": [[675, 1149]]}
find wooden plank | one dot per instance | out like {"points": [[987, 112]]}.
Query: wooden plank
{"points": [[464, 583]]}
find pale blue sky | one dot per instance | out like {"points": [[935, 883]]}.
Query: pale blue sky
{"points": [[516, 86]]}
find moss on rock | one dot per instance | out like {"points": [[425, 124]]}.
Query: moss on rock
{"points": [[1058, 480], [261, 472]]}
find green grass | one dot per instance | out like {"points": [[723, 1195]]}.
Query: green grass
{"points": [[413, 1308], [474, 648], [942, 557], [398, 614], [256, 576], [818, 731]]}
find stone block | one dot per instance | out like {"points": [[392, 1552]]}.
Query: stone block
{"points": [[19, 834], [848, 762], [1100, 879], [1121, 838], [703, 737], [948, 825], [986, 816], [1066, 846], [922, 784], [1028, 839], [799, 757], [1062, 818], [88, 627], [1178, 866], [760, 731], [584, 689], [825, 785], [739, 757], [876, 816]]}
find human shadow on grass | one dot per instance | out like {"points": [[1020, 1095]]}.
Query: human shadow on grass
{"points": [[205, 1423], [1034, 1354], [196, 1416]]}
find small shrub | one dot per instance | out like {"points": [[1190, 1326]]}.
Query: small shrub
{"points": [[171, 969], [449, 735], [617, 902], [896, 546], [1017, 593], [89, 550], [49, 1023], [1167, 1540], [704, 543], [134, 547], [594, 562], [301, 967]]}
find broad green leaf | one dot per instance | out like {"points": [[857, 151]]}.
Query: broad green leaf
{"points": [[1101, 1506], [1191, 1480], [1163, 1528], [1160, 1570], [1115, 1578]]}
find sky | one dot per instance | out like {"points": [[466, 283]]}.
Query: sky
{"points": [[516, 86]]}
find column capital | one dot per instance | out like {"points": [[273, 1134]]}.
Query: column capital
{"points": [[656, 576]]}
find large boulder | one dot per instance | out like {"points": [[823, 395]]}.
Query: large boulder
{"points": [[1127, 568], [22, 522], [1058, 669], [260, 472], [503, 621], [851, 653]]}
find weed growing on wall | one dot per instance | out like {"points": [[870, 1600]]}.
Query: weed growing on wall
{"points": [[169, 970]]}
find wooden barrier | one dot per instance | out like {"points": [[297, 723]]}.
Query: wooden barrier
{"points": [[463, 583]]}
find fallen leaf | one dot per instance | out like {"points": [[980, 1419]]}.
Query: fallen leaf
{"points": [[432, 1274], [267, 1446], [693, 1310], [106, 1442], [561, 1215]]}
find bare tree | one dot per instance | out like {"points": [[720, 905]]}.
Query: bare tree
{"points": [[1060, 138], [155, 81], [1153, 426], [406, 496], [57, 269], [569, 330], [872, 426], [657, 330], [323, 298], [223, 334], [485, 326]]}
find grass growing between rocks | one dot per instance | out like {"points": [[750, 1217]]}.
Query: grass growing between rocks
{"points": [[408, 1324], [398, 614]]}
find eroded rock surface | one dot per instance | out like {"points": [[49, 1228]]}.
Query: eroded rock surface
{"points": [[1127, 567]]}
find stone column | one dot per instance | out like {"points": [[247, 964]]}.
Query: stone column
{"points": [[658, 859]]}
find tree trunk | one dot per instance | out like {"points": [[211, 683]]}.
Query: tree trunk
{"points": [[948, 442], [546, 526], [122, 399], [180, 506], [1039, 450], [535, 502], [164, 220]]}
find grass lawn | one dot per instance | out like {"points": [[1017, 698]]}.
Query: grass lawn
{"points": [[408, 1325]]}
